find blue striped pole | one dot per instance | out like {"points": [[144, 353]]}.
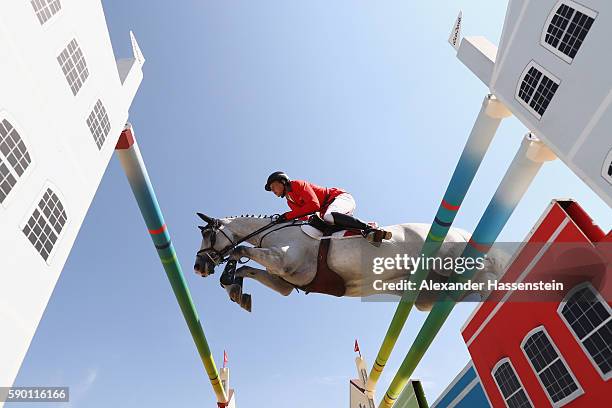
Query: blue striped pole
{"points": [[523, 169], [490, 116], [136, 172]]}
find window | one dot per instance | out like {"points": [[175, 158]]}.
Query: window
{"points": [[510, 386], [537, 88], [7, 181], [99, 124], [14, 158], [73, 65], [46, 223], [45, 9], [606, 169], [590, 320], [550, 368], [566, 28]]}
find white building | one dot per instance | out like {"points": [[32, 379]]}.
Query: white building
{"points": [[64, 101], [553, 70]]}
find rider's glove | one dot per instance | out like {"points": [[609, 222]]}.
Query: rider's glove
{"points": [[282, 218]]}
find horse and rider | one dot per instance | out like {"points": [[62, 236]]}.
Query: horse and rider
{"points": [[293, 257]]}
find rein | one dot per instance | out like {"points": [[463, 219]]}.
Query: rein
{"points": [[293, 223], [223, 253]]}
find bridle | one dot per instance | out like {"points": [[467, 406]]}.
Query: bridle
{"points": [[217, 257], [220, 256]]}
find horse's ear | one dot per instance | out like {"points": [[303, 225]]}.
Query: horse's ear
{"points": [[206, 218], [201, 228]]}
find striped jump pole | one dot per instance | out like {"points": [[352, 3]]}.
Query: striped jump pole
{"points": [[491, 114], [523, 169], [412, 396], [136, 172]]}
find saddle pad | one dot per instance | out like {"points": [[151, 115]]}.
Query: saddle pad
{"points": [[312, 232]]}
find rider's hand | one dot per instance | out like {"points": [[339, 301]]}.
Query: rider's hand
{"points": [[282, 218]]}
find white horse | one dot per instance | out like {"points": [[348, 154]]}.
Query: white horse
{"points": [[289, 257]]}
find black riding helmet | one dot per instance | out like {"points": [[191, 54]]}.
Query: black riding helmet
{"points": [[276, 176]]}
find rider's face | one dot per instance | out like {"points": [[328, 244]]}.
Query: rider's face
{"points": [[277, 188]]}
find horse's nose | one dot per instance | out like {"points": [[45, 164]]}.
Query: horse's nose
{"points": [[196, 267]]}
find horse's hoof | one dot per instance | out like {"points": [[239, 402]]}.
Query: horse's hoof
{"points": [[245, 302], [235, 293]]}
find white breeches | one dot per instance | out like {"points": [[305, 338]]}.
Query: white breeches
{"points": [[344, 204]]}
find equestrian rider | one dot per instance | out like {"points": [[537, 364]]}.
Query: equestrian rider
{"points": [[334, 205]]}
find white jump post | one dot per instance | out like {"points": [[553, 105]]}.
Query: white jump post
{"points": [[359, 398]]}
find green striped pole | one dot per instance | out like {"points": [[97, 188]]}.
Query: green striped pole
{"points": [[523, 169], [489, 118], [136, 172], [412, 396]]}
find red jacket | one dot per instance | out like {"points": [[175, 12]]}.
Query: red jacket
{"points": [[304, 198]]}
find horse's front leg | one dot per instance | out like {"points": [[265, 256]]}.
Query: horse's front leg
{"points": [[273, 259], [262, 276], [232, 282]]}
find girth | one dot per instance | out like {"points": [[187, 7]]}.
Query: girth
{"points": [[325, 281]]}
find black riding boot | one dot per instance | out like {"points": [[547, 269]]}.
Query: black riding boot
{"points": [[373, 235], [348, 221]]}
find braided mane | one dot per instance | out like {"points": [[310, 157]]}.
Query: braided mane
{"points": [[250, 216]]}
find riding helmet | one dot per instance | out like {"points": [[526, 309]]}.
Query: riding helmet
{"points": [[276, 176]]}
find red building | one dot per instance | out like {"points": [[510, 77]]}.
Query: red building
{"points": [[554, 351]]}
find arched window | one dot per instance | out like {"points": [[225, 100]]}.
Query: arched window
{"points": [[589, 318], [14, 158], [509, 385], [536, 89], [73, 66], [46, 223], [45, 9], [566, 28], [550, 367]]}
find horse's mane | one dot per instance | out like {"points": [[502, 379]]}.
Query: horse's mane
{"points": [[249, 216]]}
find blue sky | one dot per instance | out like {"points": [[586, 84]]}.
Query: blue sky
{"points": [[367, 96]]}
